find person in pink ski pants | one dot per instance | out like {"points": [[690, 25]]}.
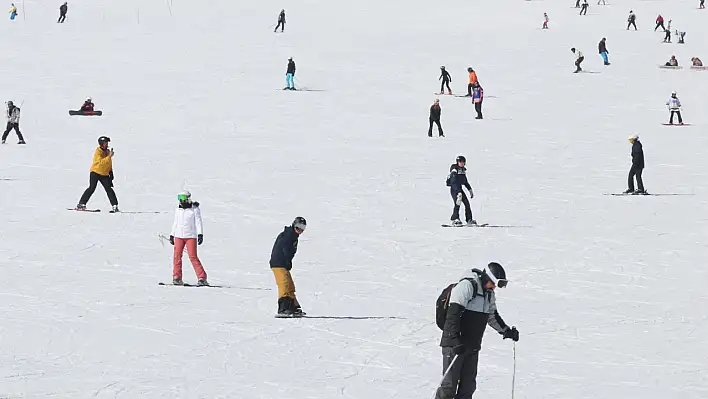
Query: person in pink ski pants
{"points": [[187, 231]]}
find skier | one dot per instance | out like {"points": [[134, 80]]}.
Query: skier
{"points": [[673, 62], [584, 10], [473, 80], [62, 12], [456, 180], [88, 105], [602, 48], [281, 22], [13, 12], [659, 23], [601, 1], [477, 98], [545, 21], [577, 3], [695, 61], [187, 231], [681, 36], [667, 37], [435, 118], [637, 167], [632, 20], [702, 4], [578, 60], [281, 262], [290, 75], [472, 306], [446, 79], [13, 122], [674, 105], [101, 171]]}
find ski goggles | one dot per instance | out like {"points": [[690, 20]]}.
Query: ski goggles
{"points": [[300, 226], [499, 282], [183, 197]]}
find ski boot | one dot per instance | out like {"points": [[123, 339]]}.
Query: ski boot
{"points": [[114, 209], [81, 207], [21, 142], [3, 142], [449, 92], [285, 307], [177, 281], [202, 282], [457, 223]]}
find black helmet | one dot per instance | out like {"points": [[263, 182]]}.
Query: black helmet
{"points": [[461, 158], [496, 273], [300, 223], [103, 139], [10, 103], [470, 69], [442, 67]]}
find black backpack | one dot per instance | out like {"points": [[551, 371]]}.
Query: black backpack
{"points": [[443, 303]]}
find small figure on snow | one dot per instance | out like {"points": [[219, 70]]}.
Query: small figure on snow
{"points": [[659, 23], [62, 12], [584, 9], [456, 180], [673, 62], [473, 80], [290, 75], [13, 122], [101, 171], [187, 230], [545, 21], [602, 48], [446, 79], [281, 22], [702, 4], [281, 262], [674, 105], [632, 20], [637, 167], [667, 31], [681, 36], [695, 61], [435, 112], [579, 58], [87, 106], [477, 98], [13, 12], [601, 1]]}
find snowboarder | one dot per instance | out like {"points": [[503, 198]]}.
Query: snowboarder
{"points": [[632, 20], [88, 105], [101, 171], [577, 3], [187, 231], [681, 36], [281, 22], [435, 118], [472, 306], [673, 62], [13, 122], [602, 48], [659, 23], [674, 105], [584, 9], [545, 21], [702, 4], [290, 75], [281, 262], [456, 180], [473, 80], [477, 98], [637, 167], [695, 61], [667, 36], [578, 59], [446, 79], [601, 1], [13, 12], [62, 12]]}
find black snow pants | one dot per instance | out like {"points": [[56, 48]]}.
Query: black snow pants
{"points": [[62, 18], [461, 380], [632, 23], [635, 171], [106, 182], [658, 24], [667, 37], [456, 208], [280, 23], [584, 10], [478, 108], [577, 64], [443, 84], [671, 118], [11, 126], [430, 128]]}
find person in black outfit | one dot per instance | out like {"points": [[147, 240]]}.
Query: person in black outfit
{"points": [[456, 180], [435, 118], [446, 79], [632, 20], [13, 122], [281, 22], [637, 167], [281, 262], [584, 10], [62, 13], [602, 49]]}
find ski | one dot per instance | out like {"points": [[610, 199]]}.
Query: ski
{"points": [[83, 210], [194, 285]]}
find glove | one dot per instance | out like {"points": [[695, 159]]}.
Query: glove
{"points": [[471, 194], [172, 240], [459, 198], [512, 333], [200, 240], [459, 349]]}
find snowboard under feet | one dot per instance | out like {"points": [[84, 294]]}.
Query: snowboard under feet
{"points": [[83, 210], [466, 225]]}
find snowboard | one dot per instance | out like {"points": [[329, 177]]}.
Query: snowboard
{"points": [[623, 194], [467, 225], [699, 68], [193, 285], [676, 124], [83, 210], [670, 67], [86, 113], [290, 316]]}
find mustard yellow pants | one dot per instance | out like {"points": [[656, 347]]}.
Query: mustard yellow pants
{"points": [[284, 280]]}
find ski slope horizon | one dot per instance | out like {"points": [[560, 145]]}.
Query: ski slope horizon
{"points": [[606, 291]]}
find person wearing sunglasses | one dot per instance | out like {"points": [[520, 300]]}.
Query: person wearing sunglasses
{"points": [[281, 262], [472, 307]]}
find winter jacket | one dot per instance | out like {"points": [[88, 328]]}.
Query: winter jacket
{"points": [[602, 47], [578, 55], [63, 9], [445, 76], [281, 17], [473, 77], [477, 94], [102, 162], [284, 249], [188, 221], [637, 155], [435, 112], [88, 106], [659, 19], [291, 67], [472, 308], [13, 114], [697, 62], [632, 17], [674, 103], [458, 178]]}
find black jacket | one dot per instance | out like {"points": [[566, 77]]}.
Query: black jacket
{"points": [[281, 17], [284, 249], [601, 47], [458, 178], [291, 67], [435, 112], [63, 9], [445, 76], [637, 155]]}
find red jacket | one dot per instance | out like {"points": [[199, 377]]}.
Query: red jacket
{"points": [[87, 107], [659, 19]]}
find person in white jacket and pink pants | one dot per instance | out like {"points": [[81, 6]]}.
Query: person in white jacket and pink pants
{"points": [[187, 231]]}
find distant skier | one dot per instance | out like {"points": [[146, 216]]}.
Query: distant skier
{"points": [[681, 36], [577, 3], [435, 112], [702, 4], [446, 79], [545, 21], [659, 23], [673, 62], [290, 75], [477, 98], [87, 106], [281, 22], [584, 9], [602, 48], [13, 122], [601, 1], [674, 105], [473, 80], [695, 61], [62, 12], [637, 167], [187, 230], [667, 31], [101, 171], [456, 180], [579, 58], [281, 262], [13, 12], [632, 20]]}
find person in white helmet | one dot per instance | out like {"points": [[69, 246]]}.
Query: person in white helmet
{"points": [[674, 105], [187, 231], [88, 105]]}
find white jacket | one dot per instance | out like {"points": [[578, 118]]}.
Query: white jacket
{"points": [[188, 222], [14, 116], [674, 103], [578, 55]]}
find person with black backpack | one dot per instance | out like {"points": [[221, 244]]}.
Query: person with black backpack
{"points": [[464, 310]]}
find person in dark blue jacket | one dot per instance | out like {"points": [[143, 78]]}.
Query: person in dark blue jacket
{"points": [[456, 180], [281, 261], [637, 167]]}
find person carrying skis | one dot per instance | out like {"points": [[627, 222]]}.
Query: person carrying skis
{"points": [[281, 262], [472, 307], [456, 180], [13, 12], [578, 59], [674, 105], [637, 167], [281, 22], [632, 20], [13, 122], [88, 105], [584, 9], [101, 171], [473, 80], [659, 23], [545, 21], [435, 118], [290, 75], [602, 48], [477, 98], [446, 79], [187, 231], [62, 12]]}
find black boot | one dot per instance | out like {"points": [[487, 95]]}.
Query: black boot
{"points": [[285, 306]]}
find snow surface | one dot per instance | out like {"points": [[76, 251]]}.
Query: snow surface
{"points": [[608, 292]]}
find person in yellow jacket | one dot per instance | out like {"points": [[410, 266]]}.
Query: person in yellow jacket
{"points": [[101, 171]]}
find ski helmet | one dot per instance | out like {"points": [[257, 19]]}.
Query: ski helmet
{"points": [[88, 99], [572, 49], [633, 137], [496, 274], [673, 93], [442, 67], [300, 223], [470, 69], [461, 158], [184, 196], [103, 139], [10, 104]]}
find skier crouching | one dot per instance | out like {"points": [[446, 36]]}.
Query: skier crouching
{"points": [[187, 231], [579, 58], [281, 262]]}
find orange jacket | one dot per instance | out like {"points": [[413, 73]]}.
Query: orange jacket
{"points": [[473, 77], [102, 162]]}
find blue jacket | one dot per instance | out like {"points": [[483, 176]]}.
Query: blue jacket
{"points": [[458, 178]]}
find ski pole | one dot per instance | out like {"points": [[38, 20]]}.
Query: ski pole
{"points": [[454, 359], [513, 375]]}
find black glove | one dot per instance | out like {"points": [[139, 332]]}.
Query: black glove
{"points": [[459, 349], [200, 240], [512, 333], [172, 240]]}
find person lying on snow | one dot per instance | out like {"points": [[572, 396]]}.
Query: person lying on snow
{"points": [[88, 105]]}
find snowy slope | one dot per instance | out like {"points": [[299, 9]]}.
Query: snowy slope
{"points": [[608, 292]]}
